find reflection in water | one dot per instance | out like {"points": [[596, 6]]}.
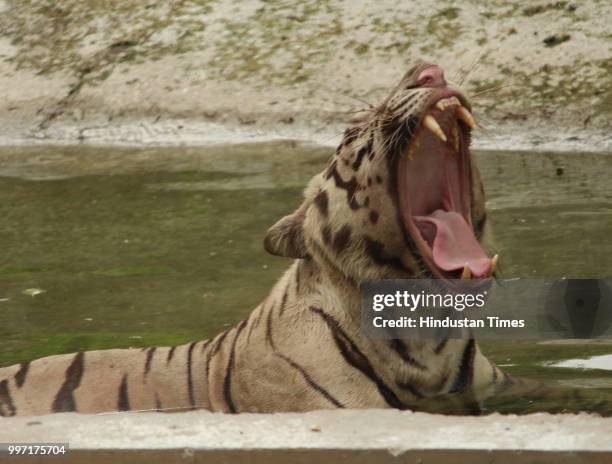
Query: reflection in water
{"points": [[107, 247], [594, 362]]}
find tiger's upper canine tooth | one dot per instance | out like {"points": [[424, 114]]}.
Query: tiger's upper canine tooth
{"points": [[431, 124], [467, 273], [466, 117]]}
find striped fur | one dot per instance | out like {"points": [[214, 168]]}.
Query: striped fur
{"points": [[301, 348]]}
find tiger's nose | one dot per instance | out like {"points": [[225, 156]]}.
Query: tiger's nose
{"points": [[432, 76]]}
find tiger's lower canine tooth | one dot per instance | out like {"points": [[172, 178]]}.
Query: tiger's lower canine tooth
{"points": [[466, 274], [431, 124], [494, 263], [466, 117]]}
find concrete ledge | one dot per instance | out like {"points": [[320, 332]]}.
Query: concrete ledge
{"points": [[373, 436]]}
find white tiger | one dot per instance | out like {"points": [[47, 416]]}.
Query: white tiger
{"points": [[400, 198]]}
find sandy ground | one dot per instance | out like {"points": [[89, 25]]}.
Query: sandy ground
{"points": [[201, 71]]}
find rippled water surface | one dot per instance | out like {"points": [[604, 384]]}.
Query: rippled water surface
{"points": [[107, 247]]}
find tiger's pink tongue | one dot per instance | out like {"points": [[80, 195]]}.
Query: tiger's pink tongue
{"points": [[454, 244]]}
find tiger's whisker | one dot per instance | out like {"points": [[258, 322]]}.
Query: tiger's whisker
{"points": [[493, 89]]}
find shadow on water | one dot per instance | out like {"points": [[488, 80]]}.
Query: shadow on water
{"points": [[107, 247]]}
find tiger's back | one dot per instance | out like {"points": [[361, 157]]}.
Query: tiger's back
{"points": [[290, 354]]}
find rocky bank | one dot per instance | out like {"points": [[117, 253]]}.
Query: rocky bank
{"points": [[199, 71]]}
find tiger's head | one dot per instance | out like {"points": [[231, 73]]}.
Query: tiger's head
{"points": [[401, 197]]}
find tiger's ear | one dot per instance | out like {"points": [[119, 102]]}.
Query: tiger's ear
{"points": [[286, 237]]}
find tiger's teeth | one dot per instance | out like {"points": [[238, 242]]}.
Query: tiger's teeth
{"points": [[446, 102], [431, 124], [466, 117], [455, 134], [494, 264], [466, 274], [413, 146]]}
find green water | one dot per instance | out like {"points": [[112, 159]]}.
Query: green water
{"points": [[107, 247]]}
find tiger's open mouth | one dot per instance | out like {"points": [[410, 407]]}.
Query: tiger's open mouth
{"points": [[435, 190]]}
